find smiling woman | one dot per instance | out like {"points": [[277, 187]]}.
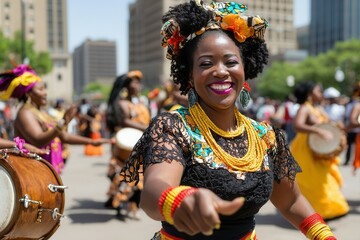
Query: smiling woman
{"points": [[34, 124], [207, 168]]}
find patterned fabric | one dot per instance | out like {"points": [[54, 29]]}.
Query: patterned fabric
{"points": [[162, 235], [55, 157], [17, 82], [226, 15], [174, 137]]}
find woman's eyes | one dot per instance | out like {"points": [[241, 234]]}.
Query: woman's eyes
{"points": [[210, 63]]}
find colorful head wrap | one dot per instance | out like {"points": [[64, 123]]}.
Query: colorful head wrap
{"points": [[226, 16], [135, 74], [17, 82]]}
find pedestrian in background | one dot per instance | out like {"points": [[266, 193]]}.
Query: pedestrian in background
{"points": [[125, 110], [320, 180]]}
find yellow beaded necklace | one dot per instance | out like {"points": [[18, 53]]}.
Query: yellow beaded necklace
{"points": [[202, 115], [253, 158]]}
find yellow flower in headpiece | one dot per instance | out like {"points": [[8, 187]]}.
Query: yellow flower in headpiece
{"points": [[234, 23]]}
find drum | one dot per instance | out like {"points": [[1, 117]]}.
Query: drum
{"points": [[325, 149], [32, 196], [126, 138]]}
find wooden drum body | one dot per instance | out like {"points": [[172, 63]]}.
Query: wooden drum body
{"points": [[32, 196], [323, 149]]}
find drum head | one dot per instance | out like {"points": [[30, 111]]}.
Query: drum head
{"points": [[7, 198], [321, 146], [126, 138]]}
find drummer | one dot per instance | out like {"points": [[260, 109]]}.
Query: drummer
{"points": [[125, 109], [321, 180], [32, 122]]}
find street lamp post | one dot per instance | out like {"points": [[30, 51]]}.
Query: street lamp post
{"points": [[23, 30], [290, 81], [340, 77]]}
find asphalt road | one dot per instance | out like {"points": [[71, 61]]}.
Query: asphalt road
{"points": [[86, 218]]}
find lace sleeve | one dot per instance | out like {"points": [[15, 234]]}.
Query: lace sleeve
{"points": [[164, 140], [284, 163]]}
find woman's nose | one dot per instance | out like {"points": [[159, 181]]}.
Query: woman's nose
{"points": [[221, 71]]}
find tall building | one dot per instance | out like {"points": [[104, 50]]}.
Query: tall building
{"points": [[46, 26], [146, 53], [94, 61], [333, 21]]}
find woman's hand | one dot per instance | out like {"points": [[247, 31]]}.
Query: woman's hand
{"points": [[199, 212], [34, 149], [325, 134], [70, 114], [100, 141]]}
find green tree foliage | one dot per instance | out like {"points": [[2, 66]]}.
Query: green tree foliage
{"points": [[320, 68], [97, 90], [11, 54]]}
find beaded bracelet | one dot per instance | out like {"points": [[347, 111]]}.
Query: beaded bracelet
{"points": [[171, 199], [314, 227]]}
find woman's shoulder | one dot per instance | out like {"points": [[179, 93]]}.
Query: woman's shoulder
{"points": [[261, 126], [24, 111], [169, 116]]}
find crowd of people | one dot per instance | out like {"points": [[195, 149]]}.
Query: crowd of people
{"points": [[203, 157]]}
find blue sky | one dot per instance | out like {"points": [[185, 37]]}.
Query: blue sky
{"points": [[107, 19]]}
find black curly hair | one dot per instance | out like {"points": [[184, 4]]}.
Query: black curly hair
{"points": [[303, 90], [191, 18]]}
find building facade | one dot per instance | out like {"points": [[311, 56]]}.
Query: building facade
{"points": [[146, 53], [333, 21], [46, 26], [94, 61]]}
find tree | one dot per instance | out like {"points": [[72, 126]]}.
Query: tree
{"points": [[10, 54], [320, 68], [101, 91]]}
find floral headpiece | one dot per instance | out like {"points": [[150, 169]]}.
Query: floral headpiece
{"points": [[226, 16], [17, 82]]}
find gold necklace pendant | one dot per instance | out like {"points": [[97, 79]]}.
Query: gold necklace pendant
{"points": [[253, 158]]}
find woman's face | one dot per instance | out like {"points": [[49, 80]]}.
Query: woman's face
{"points": [[217, 71], [38, 94], [317, 94], [134, 87]]}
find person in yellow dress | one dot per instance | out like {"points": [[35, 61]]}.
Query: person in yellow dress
{"points": [[320, 181]]}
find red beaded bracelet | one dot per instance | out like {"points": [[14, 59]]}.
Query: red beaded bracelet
{"points": [[171, 199], [162, 199], [180, 197], [309, 222]]}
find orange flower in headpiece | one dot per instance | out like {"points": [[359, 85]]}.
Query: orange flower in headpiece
{"points": [[176, 40], [234, 23]]}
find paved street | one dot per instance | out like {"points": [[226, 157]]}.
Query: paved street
{"points": [[86, 218]]}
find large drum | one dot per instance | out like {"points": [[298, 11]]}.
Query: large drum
{"points": [[126, 138], [31, 196], [325, 149]]}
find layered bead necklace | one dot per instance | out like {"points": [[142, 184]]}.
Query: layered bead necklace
{"points": [[253, 158]]}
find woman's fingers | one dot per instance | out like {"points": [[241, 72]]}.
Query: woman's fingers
{"points": [[200, 211], [229, 207]]}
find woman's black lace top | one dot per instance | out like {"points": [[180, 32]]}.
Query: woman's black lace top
{"points": [[174, 137]]}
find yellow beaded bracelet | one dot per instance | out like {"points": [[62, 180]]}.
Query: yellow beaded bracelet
{"points": [[171, 198]]}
